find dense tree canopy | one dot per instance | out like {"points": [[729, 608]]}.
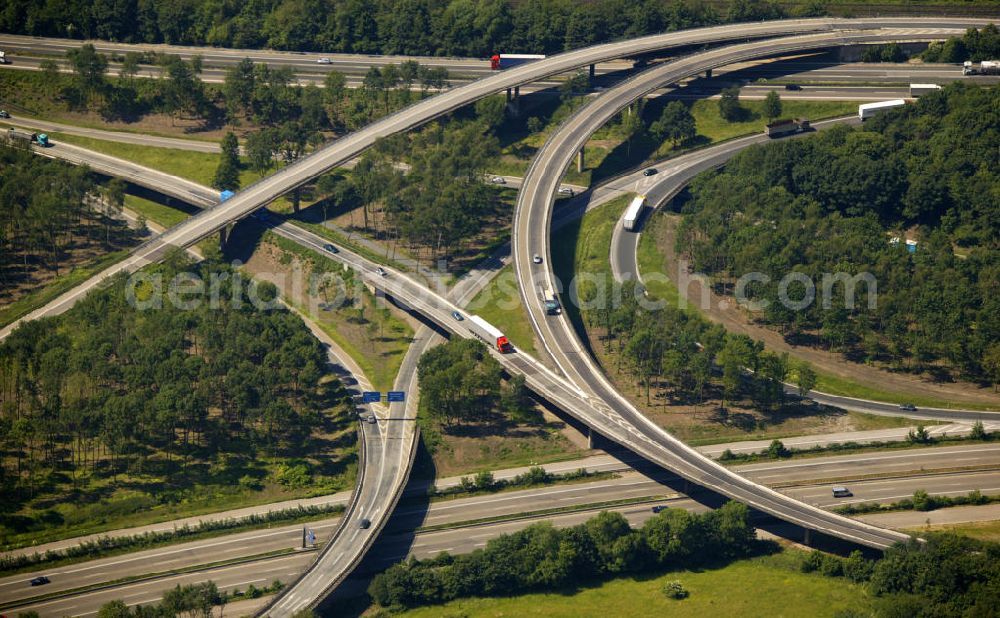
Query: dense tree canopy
{"points": [[461, 382], [113, 387], [46, 209], [412, 27], [832, 203], [949, 575], [975, 45], [543, 557]]}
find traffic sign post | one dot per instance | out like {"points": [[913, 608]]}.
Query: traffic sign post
{"points": [[371, 396], [397, 396]]}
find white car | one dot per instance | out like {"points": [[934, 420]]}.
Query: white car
{"points": [[324, 60], [381, 272], [566, 191], [537, 259], [498, 180]]}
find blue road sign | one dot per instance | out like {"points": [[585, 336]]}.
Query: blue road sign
{"points": [[371, 396], [397, 395]]}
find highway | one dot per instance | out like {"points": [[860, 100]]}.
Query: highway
{"points": [[617, 418], [529, 368], [182, 189], [539, 378], [937, 470]]}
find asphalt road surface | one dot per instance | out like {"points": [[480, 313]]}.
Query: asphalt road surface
{"points": [[619, 420], [936, 470], [295, 174]]}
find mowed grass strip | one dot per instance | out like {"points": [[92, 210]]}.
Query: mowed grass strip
{"points": [[188, 164], [499, 303], [769, 586]]}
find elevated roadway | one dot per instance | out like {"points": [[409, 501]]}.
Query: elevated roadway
{"points": [[342, 150], [616, 418], [438, 309]]}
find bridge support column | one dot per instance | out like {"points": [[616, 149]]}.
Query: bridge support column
{"points": [[514, 103], [579, 161], [592, 71], [708, 73], [223, 237], [807, 537], [509, 91], [591, 438]]}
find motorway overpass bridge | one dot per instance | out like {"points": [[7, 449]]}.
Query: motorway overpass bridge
{"points": [[597, 411]]}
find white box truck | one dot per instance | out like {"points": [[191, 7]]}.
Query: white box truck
{"points": [[630, 220], [867, 110], [918, 89]]}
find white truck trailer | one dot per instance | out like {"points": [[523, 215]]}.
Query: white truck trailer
{"points": [[630, 220], [867, 110]]}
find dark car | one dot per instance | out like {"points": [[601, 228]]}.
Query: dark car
{"points": [[331, 248], [908, 407], [658, 508], [649, 172], [793, 87], [365, 524], [458, 316], [4, 114], [41, 580]]}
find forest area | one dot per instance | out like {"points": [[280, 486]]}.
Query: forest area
{"points": [[834, 203], [118, 407], [475, 28], [52, 216], [281, 114]]}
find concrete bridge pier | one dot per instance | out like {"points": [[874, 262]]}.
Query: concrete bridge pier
{"points": [[592, 70], [579, 161]]}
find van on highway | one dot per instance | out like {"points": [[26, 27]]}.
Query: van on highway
{"points": [[842, 492]]}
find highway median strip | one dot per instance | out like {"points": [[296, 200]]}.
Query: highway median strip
{"points": [[107, 546], [279, 553], [578, 508]]}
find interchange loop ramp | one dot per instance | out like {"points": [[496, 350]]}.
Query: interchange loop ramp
{"points": [[608, 411]]}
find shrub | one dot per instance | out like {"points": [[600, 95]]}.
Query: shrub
{"points": [[675, 590]]}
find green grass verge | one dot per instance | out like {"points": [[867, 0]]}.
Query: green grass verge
{"points": [[766, 586], [583, 246], [25, 305], [154, 211], [196, 166], [499, 303], [191, 165], [836, 385], [710, 124], [983, 530], [380, 363], [558, 510], [178, 535]]}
